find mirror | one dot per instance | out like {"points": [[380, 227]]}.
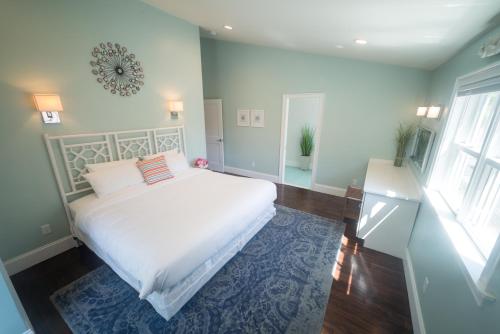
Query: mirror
{"points": [[422, 147]]}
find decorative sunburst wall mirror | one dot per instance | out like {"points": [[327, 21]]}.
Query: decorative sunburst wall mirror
{"points": [[117, 69]]}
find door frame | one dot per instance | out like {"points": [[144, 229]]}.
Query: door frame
{"points": [[221, 119], [284, 129]]}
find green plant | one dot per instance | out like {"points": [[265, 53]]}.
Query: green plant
{"points": [[307, 141], [403, 137]]}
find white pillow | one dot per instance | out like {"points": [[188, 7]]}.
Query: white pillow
{"points": [[167, 153], [176, 161], [94, 167], [108, 180]]}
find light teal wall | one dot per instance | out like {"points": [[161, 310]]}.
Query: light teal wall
{"points": [[448, 305], [466, 61], [13, 320], [46, 48], [364, 104]]}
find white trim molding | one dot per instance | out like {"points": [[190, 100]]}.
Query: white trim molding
{"points": [[323, 188], [37, 255], [284, 129], [292, 163], [477, 269], [417, 318], [251, 173]]}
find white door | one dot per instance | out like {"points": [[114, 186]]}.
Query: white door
{"points": [[214, 134]]}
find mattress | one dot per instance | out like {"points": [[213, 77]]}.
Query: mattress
{"points": [[155, 237]]}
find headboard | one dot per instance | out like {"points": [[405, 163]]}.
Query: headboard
{"points": [[70, 153]]}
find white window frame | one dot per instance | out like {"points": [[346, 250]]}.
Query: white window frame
{"points": [[478, 270], [482, 161]]}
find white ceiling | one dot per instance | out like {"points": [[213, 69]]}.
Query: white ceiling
{"points": [[416, 33]]}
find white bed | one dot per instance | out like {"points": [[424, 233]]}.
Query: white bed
{"points": [[167, 240]]}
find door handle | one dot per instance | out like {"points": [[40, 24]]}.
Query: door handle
{"points": [[219, 140]]}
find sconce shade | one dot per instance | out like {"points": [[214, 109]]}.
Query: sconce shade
{"points": [[421, 111], [47, 102], [433, 112], [175, 106]]}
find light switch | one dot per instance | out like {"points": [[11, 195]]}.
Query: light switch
{"points": [[425, 286], [46, 229]]}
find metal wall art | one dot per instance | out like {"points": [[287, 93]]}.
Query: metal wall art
{"points": [[490, 48], [117, 69]]}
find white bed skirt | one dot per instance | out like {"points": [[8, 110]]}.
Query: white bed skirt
{"points": [[168, 302]]}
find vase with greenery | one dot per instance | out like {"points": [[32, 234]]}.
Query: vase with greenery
{"points": [[403, 137], [306, 146]]}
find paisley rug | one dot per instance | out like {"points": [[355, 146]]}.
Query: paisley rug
{"points": [[279, 283]]}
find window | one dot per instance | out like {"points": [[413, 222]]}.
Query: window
{"points": [[467, 169]]}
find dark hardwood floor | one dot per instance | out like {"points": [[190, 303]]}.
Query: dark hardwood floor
{"points": [[368, 292]]}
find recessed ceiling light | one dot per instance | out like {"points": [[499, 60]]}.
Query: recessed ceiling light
{"points": [[338, 46], [228, 27], [361, 41]]}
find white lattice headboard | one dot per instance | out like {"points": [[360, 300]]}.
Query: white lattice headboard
{"points": [[70, 153]]}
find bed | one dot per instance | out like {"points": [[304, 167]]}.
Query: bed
{"points": [[168, 239]]}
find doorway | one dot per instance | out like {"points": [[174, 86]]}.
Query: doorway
{"points": [[214, 134], [300, 136]]}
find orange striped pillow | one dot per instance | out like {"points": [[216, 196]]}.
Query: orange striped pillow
{"points": [[154, 170]]}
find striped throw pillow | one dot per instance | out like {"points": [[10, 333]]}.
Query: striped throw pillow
{"points": [[154, 170]]}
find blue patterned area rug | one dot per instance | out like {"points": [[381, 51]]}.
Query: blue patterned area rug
{"points": [[279, 283]]}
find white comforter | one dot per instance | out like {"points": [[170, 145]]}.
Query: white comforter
{"points": [[159, 234]]}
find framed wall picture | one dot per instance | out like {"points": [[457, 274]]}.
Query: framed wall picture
{"points": [[243, 117], [422, 147], [257, 118]]}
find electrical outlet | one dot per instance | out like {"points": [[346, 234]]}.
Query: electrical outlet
{"points": [[425, 286], [46, 229], [354, 182], [253, 164]]}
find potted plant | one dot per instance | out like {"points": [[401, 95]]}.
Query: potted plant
{"points": [[403, 136], [306, 147]]}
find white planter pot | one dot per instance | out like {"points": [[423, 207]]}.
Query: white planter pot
{"points": [[304, 162]]}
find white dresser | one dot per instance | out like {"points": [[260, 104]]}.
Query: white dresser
{"points": [[390, 204]]}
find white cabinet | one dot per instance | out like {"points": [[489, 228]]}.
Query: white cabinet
{"points": [[390, 204]]}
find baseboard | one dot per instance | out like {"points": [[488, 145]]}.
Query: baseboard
{"points": [[323, 188], [37, 255], [251, 173], [292, 163], [411, 286], [296, 164]]}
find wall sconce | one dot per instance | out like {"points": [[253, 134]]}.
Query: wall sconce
{"points": [[434, 112], [421, 111], [49, 105], [175, 107], [430, 112]]}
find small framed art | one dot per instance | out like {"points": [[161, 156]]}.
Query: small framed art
{"points": [[257, 118], [243, 117]]}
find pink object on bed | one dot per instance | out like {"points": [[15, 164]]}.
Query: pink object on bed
{"points": [[201, 163]]}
